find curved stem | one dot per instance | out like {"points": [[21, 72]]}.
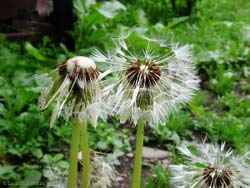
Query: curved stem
{"points": [[136, 181], [85, 157], [73, 154]]}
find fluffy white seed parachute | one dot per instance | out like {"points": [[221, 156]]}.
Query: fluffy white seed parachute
{"points": [[150, 80], [210, 166], [75, 89]]}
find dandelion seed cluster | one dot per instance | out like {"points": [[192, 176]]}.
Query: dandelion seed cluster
{"points": [[102, 174], [150, 84], [102, 171], [211, 166], [76, 90]]}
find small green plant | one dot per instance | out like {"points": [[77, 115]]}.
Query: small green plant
{"points": [[108, 138], [94, 20], [56, 161], [222, 81], [159, 177]]}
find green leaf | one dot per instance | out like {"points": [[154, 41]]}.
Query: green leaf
{"points": [[38, 153], [2, 109], [140, 17], [63, 164], [57, 157], [48, 172], [8, 172], [5, 170], [110, 9], [118, 143], [47, 158], [177, 21], [102, 145], [32, 178], [33, 51], [13, 151]]}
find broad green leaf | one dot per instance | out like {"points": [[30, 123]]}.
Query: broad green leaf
{"points": [[102, 145], [34, 52], [57, 157], [32, 178], [118, 143], [109, 9], [63, 164], [140, 17], [47, 158], [14, 151], [38, 153]]}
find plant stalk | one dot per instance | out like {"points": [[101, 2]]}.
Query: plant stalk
{"points": [[73, 153], [85, 157], [136, 181]]}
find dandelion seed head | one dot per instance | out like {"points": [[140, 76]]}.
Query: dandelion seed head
{"points": [[210, 166], [102, 168], [76, 91], [102, 171], [151, 79], [81, 68]]}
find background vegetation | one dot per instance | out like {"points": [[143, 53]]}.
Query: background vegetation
{"points": [[218, 31]]}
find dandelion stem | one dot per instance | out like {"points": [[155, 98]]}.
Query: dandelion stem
{"points": [[85, 157], [136, 181], [73, 154]]}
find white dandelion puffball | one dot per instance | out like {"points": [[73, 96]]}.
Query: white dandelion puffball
{"points": [[211, 166], [150, 78], [102, 171], [102, 168], [75, 90]]}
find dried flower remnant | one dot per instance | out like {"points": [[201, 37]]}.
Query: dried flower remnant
{"points": [[211, 166], [75, 90]]}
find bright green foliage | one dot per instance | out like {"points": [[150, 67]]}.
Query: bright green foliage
{"points": [[109, 138], [160, 177]]}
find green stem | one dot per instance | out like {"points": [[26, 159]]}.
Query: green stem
{"points": [[136, 181], [85, 157], [73, 154]]}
